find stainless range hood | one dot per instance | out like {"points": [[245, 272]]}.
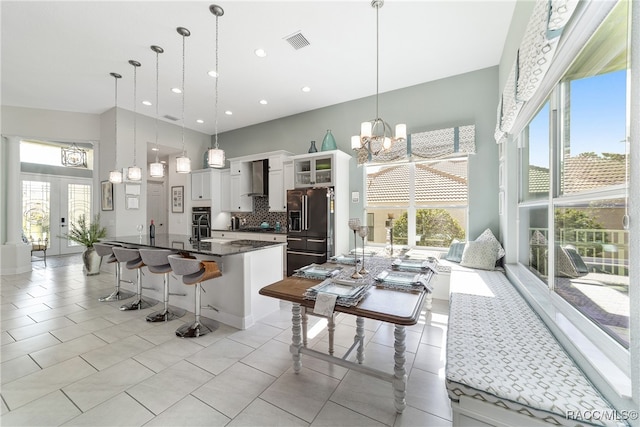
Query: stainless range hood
{"points": [[260, 178]]}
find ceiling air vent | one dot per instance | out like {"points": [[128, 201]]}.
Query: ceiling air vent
{"points": [[168, 117], [297, 40]]}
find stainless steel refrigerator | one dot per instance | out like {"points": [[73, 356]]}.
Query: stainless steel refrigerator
{"points": [[310, 227]]}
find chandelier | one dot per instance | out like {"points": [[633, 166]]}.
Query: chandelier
{"points": [[74, 156], [156, 169], [216, 155], [183, 163], [115, 176], [375, 135]]}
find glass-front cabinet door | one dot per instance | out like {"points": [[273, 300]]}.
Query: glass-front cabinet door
{"points": [[314, 171]]}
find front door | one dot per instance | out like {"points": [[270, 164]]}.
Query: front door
{"points": [[50, 205]]}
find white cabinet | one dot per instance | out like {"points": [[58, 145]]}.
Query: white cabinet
{"points": [[225, 193], [289, 181], [201, 184], [240, 187], [277, 191], [314, 170]]}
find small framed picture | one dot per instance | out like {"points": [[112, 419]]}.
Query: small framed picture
{"points": [[177, 199], [133, 202], [107, 196]]}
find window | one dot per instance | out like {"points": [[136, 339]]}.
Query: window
{"points": [[572, 206], [425, 202]]}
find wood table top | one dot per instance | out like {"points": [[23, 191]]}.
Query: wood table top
{"points": [[386, 305]]}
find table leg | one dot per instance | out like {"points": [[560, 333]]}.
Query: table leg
{"points": [[305, 324], [360, 339], [296, 340], [399, 373], [331, 326]]}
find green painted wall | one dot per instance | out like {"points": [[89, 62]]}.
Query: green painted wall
{"points": [[469, 98]]}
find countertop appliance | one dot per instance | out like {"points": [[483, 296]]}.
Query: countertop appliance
{"points": [[200, 222], [235, 223], [310, 227]]}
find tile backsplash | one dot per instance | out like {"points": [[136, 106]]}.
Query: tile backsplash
{"points": [[261, 213]]}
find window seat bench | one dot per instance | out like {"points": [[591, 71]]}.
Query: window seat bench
{"points": [[504, 367]]}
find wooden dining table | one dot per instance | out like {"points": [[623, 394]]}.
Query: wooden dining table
{"points": [[400, 308]]}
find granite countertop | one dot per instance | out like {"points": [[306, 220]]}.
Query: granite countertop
{"points": [[180, 242], [269, 230]]}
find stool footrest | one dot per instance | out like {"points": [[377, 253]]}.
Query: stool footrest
{"points": [[138, 304], [117, 295]]}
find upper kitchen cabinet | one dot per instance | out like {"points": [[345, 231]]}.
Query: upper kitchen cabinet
{"points": [[277, 189], [321, 169], [240, 187], [201, 184]]}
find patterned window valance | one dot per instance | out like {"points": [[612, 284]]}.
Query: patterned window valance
{"points": [[533, 60], [429, 145], [437, 144]]}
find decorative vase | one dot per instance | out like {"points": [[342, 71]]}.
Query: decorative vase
{"points": [[312, 148], [92, 262], [329, 142]]}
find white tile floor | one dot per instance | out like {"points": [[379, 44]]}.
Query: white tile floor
{"points": [[68, 359]]}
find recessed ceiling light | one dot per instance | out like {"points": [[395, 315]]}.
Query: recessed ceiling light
{"points": [[263, 102], [155, 149], [147, 103], [200, 121], [213, 73], [260, 53], [306, 89], [228, 112], [176, 90]]}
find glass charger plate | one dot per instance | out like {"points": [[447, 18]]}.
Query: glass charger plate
{"points": [[398, 277], [316, 271], [410, 264], [345, 259], [349, 293]]}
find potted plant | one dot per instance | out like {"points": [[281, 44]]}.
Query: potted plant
{"points": [[87, 233]]}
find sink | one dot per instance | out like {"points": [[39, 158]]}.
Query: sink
{"points": [[221, 241]]}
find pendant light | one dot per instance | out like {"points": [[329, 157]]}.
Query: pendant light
{"points": [[183, 163], [156, 169], [115, 176], [216, 155], [134, 173], [375, 135]]}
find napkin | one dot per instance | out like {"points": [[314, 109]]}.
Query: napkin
{"points": [[324, 304]]}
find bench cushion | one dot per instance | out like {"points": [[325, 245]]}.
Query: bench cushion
{"points": [[500, 351]]}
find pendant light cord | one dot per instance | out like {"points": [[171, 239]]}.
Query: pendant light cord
{"points": [[183, 91], [157, 108], [135, 87], [217, 78], [378, 5], [115, 163]]}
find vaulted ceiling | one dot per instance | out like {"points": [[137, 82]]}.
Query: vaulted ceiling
{"points": [[57, 55]]}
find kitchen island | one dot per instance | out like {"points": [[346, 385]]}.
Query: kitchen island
{"points": [[233, 299]]}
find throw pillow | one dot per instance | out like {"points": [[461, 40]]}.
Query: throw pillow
{"points": [[480, 254], [455, 251], [487, 235]]}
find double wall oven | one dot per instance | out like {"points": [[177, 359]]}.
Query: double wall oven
{"points": [[200, 222]]}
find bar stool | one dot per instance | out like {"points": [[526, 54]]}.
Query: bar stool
{"points": [[106, 249], [194, 272], [133, 262], [157, 262]]}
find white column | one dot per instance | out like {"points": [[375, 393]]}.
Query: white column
{"points": [[15, 256], [12, 187]]}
